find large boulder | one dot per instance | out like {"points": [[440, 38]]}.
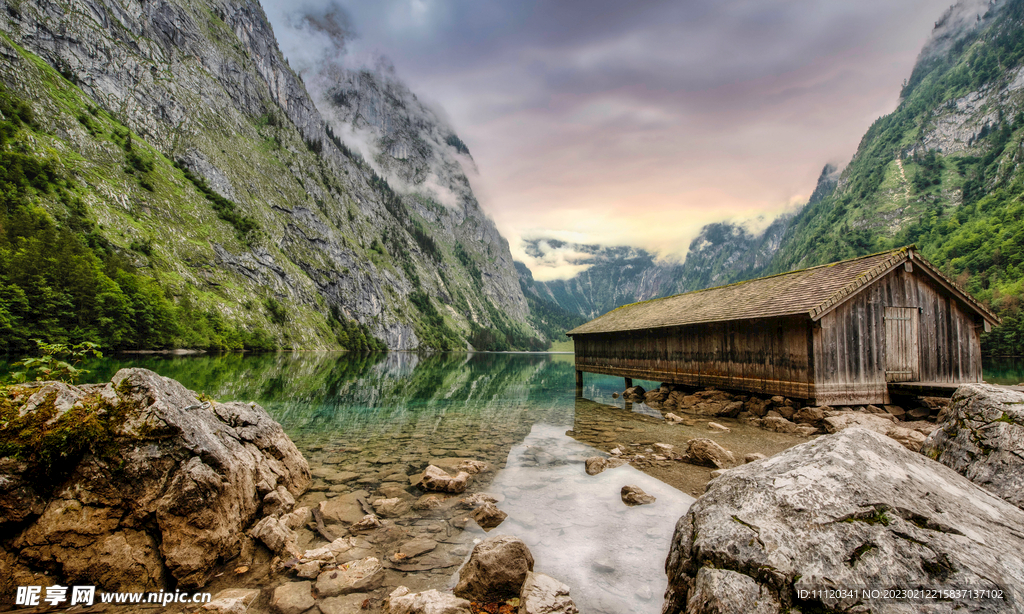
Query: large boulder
{"points": [[850, 510], [162, 484], [495, 570], [982, 438]]}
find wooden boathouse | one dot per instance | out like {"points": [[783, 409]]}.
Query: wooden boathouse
{"points": [[837, 334]]}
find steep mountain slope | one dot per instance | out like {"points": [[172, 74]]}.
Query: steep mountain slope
{"points": [[942, 171], [188, 159]]}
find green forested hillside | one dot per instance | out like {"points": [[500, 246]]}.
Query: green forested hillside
{"points": [[62, 281], [942, 171], [174, 184]]}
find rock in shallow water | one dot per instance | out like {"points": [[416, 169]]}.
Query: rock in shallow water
{"points": [[708, 453], [850, 510], [437, 480], [495, 570], [355, 577], [982, 438], [634, 495], [401, 601], [488, 516], [543, 594], [292, 598]]}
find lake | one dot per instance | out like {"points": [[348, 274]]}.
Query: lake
{"points": [[384, 415]]}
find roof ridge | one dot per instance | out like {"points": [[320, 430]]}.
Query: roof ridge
{"points": [[773, 276], [897, 256]]}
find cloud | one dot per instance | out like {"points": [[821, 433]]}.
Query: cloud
{"points": [[637, 123]]}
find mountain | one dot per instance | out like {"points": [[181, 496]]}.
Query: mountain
{"points": [[943, 171], [722, 253], [169, 181]]}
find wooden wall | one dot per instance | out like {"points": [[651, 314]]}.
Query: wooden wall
{"points": [[850, 342], [768, 356]]}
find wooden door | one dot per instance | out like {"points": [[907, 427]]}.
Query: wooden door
{"points": [[901, 351]]}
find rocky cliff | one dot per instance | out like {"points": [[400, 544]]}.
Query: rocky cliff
{"points": [[199, 155]]}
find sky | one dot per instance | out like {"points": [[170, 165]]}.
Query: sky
{"points": [[636, 123]]}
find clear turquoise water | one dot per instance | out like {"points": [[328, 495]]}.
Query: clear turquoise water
{"points": [[386, 415]]}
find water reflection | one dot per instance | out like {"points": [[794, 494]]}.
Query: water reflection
{"points": [[578, 528], [370, 424], [1005, 371]]}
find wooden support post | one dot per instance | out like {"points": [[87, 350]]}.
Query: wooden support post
{"points": [[579, 383], [629, 382]]}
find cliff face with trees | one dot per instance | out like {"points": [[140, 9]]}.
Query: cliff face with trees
{"points": [[942, 171], [168, 181]]}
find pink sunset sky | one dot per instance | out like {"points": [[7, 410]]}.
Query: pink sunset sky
{"points": [[636, 123]]}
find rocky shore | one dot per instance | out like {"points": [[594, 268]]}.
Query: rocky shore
{"points": [[140, 484], [909, 426], [856, 522]]}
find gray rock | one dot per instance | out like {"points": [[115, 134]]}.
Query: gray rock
{"points": [[854, 509], [342, 604], [779, 424], [543, 594], [292, 598], [634, 495], [416, 547], [895, 410], [596, 464], [297, 518], [809, 415], [358, 576], [634, 392], [183, 485], [277, 537], [883, 423], [721, 591], [345, 508], [918, 413], [496, 570], [982, 438], [708, 453], [753, 456], [368, 522], [391, 508], [401, 601]]}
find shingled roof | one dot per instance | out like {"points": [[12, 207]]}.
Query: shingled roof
{"points": [[812, 292]]}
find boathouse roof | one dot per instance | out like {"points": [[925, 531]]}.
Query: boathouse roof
{"points": [[813, 292]]}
